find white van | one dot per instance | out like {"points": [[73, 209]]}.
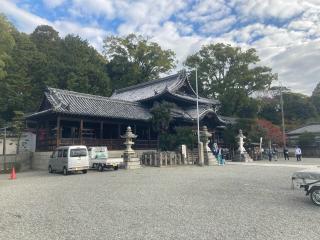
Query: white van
{"points": [[69, 159]]}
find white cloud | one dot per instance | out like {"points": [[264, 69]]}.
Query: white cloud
{"points": [[286, 33], [22, 19], [53, 3], [264, 9]]}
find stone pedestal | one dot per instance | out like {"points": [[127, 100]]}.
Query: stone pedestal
{"points": [[130, 159], [200, 154], [209, 158]]}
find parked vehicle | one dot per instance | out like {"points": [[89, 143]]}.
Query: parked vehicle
{"points": [[99, 159], [69, 159], [309, 180]]}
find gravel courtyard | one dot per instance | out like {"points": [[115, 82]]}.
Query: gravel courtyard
{"points": [[189, 202]]}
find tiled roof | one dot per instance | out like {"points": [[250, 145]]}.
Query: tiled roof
{"points": [[70, 102], [148, 89], [311, 128], [152, 89], [191, 98]]}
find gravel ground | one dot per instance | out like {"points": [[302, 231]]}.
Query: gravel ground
{"points": [[189, 202]]}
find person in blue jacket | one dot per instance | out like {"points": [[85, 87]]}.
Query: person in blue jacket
{"points": [[220, 156]]}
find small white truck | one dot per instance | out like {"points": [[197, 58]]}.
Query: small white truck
{"points": [[99, 159]]}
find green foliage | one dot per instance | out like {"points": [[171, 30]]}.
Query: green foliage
{"points": [[306, 139], [44, 59], [298, 109], [17, 126], [225, 71], [181, 135], [161, 116], [133, 59], [315, 98], [6, 43]]}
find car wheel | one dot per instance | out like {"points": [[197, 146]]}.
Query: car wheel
{"points": [[315, 196], [115, 168], [84, 171], [65, 171], [50, 169], [100, 168]]}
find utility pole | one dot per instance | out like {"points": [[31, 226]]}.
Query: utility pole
{"points": [[198, 123], [282, 117], [200, 144]]}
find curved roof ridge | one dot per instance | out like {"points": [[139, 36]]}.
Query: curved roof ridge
{"points": [[96, 97]]}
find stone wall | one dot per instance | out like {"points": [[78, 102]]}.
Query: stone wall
{"points": [[40, 160], [22, 162]]}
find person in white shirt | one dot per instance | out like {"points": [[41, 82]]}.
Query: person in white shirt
{"points": [[298, 153]]}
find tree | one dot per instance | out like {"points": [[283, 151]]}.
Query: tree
{"points": [[161, 118], [84, 68], [315, 98], [271, 132], [6, 43], [298, 109], [18, 127], [224, 70], [44, 59], [133, 59]]}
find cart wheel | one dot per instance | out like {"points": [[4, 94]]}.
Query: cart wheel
{"points": [[315, 196], [100, 168], [115, 168]]}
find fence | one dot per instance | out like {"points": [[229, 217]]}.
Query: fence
{"points": [[159, 159]]}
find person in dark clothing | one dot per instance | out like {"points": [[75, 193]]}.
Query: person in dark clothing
{"points": [[270, 154], [286, 154]]}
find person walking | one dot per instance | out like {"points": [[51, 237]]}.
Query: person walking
{"points": [[220, 156], [270, 154], [286, 154], [298, 153]]}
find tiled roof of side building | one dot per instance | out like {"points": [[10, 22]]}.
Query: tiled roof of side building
{"points": [[311, 128], [75, 103]]}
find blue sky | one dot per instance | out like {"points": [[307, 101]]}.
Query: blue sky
{"points": [[286, 33]]}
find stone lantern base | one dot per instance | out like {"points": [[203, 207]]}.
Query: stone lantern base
{"points": [[131, 161], [242, 157], [209, 158]]}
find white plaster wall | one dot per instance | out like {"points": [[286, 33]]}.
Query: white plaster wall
{"points": [[27, 144]]}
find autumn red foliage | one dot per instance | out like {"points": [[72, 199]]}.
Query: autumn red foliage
{"points": [[272, 131]]}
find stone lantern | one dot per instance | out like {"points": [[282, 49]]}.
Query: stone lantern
{"points": [[209, 158], [130, 159], [241, 154]]}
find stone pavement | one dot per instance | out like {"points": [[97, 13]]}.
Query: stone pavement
{"points": [[305, 163]]}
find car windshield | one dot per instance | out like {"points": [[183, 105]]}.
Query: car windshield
{"points": [[79, 152]]}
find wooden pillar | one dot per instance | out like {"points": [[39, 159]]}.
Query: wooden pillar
{"points": [[149, 133], [80, 131], [101, 130], [58, 131], [119, 130]]}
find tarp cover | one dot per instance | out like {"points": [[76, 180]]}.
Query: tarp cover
{"points": [[311, 174]]}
